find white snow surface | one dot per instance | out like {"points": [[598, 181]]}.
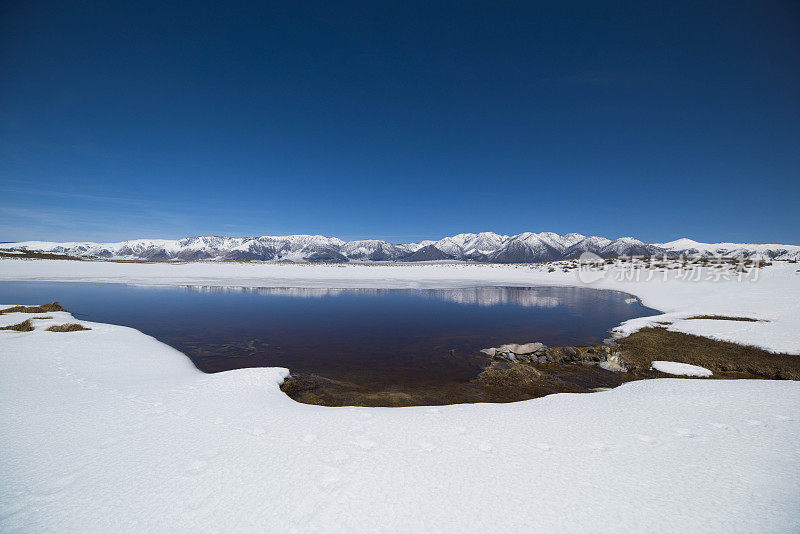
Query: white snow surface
{"points": [[773, 297], [109, 430], [680, 369]]}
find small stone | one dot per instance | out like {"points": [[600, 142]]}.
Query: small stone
{"points": [[491, 352]]}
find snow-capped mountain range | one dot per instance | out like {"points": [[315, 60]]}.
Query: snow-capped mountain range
{"points": [[482, 247]]}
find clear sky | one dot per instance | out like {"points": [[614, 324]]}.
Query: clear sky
{"points": [[400, 120]]}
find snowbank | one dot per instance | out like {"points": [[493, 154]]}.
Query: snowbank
{"points": [[110, 430], [680, 369], [773, 297]]}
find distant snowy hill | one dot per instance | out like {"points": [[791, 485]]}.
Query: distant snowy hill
{"points": [[482, 247]]}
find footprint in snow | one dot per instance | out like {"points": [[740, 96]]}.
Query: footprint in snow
{"points": [[685, 432], [329, 477], [598, 447], [649, 440], [783, 418], [754, 422], [336, 457], [485, 447], [108, 442], [218, 421], [543, 446], [258, 430], [208, 454], [721, 426], [196, 467], [365, 443], [427, 446], [460, 429], [309, 438]]}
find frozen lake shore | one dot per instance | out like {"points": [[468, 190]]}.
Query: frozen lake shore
{"points": [[773, 295]]}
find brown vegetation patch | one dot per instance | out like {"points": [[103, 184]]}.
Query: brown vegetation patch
{"points": [[67, 327], [44, 308], [724, 359], [37, 255], [726, 318], [24, 326], [499, 381]]}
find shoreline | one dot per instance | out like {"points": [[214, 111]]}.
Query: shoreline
{"points": [[773, 297]]}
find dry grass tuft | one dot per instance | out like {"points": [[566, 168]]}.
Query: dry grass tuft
{"points": [[24, 326], [68, 327], [44, 308], [724, 359], [725, 318]]}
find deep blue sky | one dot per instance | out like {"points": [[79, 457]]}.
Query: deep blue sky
{"points": [[400, 120]]}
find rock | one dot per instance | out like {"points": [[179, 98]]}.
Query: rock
{"points": [[491, 352], [530, 348], [508, 347]]}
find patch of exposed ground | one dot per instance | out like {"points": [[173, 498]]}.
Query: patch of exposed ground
{"points": [[500, 381], [67, 327], [24, 326], [725, 318], [44, 308], [35, 255], [724, 359]]}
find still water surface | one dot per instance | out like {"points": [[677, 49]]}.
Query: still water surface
{"points": [[391, 336]]}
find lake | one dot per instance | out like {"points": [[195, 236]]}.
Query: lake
{"points": [[367, 336]]}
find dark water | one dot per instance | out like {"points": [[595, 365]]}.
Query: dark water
{"points": [[387, 336]]}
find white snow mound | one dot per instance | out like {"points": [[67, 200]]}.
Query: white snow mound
{"points": [[680, 369]]}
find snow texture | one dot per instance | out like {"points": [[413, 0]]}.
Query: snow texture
{"points": [[681, 369], [110, 430]]}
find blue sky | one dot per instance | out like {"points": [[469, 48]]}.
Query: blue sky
{"points": [[400, 120]]}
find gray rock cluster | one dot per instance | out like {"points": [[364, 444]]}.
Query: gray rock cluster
{"points": [[538, 353], [525, 352]]}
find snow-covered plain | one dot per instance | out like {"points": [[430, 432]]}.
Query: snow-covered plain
{"points": [[110, 430]]}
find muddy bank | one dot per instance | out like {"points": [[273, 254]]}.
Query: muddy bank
{"points": [[497, 382], [509, 377]]}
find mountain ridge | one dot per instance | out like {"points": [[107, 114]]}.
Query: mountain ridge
{"points": [[526, 247]]}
